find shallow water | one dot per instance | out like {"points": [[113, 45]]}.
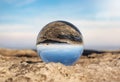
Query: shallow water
{"points": [[66, 54]]}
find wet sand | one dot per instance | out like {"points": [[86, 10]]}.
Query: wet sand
{"points": [[26, 66]]}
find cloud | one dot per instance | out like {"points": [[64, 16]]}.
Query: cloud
{"points": [[109, 9], [19, 2], [96, 34], [17, 28], [18, 40], [99, 34], [97, 23], [18, 36]]}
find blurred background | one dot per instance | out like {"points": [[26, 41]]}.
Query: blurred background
{"points": [[98, 21]]}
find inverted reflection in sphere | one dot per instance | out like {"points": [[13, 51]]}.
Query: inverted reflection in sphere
{"points": [[60, 41]]}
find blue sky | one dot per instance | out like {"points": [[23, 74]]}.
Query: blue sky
{"points": [[98, 20]]}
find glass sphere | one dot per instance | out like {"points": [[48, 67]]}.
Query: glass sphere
{"points": [[60, 41]]}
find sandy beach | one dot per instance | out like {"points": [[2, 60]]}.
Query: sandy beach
{"points": [[26, 66]]}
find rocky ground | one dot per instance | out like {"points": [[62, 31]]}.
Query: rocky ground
{"points": [[25, 66]]}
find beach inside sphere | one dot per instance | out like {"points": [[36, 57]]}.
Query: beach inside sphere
{"points": [[66, 54]]}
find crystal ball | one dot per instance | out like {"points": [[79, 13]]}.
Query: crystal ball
{"points": [[60, 42]]}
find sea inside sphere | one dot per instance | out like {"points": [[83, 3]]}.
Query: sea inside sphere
{"points": [[60, 41]]}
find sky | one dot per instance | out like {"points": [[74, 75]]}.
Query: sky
{"points": [[97, 20]]}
